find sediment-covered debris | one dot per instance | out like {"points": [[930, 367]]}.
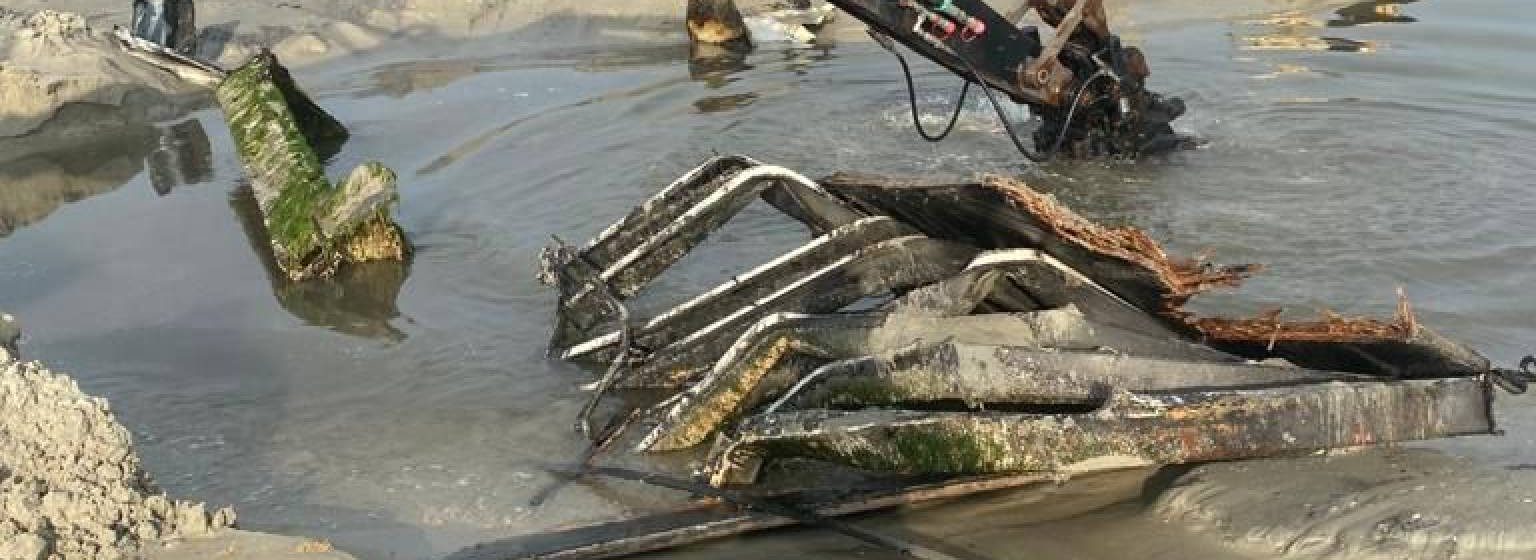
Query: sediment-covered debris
{"points": [[71, 486], [281, 136], [1009, 333], [717, 22], [976, 327]]}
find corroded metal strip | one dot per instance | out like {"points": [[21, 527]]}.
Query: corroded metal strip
{"points": [[313, 227], [634, 251], [1166, 428], [755, 284], [986, 376], [891, 266], [1036, 277], [645, 220]]}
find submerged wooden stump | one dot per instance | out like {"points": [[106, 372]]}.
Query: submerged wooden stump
{"points": [[717, 22], [314, 227]]}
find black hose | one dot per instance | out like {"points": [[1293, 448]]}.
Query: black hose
{"points": [[912, 101], [998, 107]]}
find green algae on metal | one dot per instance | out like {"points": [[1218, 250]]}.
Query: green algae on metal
{"points": [[313, 226], [1165, 428]]}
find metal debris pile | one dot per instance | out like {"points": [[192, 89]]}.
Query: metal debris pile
{"points": [[1009, 335]]}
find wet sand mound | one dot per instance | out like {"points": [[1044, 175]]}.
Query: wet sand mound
{"points": [[70, 483], [1403, 504]]}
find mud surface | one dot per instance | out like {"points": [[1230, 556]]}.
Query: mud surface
{"points": [[1377, 504]]}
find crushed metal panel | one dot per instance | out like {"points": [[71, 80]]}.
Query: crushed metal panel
{"points": [[1002, 212]]}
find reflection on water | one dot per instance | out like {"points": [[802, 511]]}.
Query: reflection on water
{"points": [[1298, 31], [359, 300], [720, 103], [1373, 11], [1281, 42], [714, 64], [405, 78], [401, 79], [35, 185], [181, 157]]}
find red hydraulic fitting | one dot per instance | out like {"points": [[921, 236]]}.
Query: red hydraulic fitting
{"points": [[941, 25], [973, 28]]}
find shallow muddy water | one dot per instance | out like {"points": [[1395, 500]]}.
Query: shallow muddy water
{"points": [[405, 412]]}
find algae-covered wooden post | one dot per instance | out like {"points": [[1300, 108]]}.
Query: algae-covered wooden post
{"points": [[314, 226]]}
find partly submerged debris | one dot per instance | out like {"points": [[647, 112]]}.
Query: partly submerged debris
{"points": [[979, 327], [314, 226], [717, 22]]}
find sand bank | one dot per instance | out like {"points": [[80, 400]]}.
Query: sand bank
{"points": [[71, 486]]}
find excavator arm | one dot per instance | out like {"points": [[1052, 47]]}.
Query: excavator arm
{"points": [[1088, 88]]}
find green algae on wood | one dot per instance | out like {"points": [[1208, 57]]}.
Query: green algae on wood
{"points": [[314, 227]]}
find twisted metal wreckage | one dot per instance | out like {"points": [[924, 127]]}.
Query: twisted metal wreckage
{"points": [[975, 328], [1013, 335], [943, 339]]}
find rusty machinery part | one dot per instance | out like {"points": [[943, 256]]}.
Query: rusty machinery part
{"points": [[1086, 87]]}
